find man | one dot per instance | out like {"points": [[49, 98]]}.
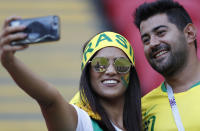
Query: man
{"points": [[169, 40]]}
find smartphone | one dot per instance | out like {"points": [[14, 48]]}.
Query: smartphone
{"points": [[39, 29]]}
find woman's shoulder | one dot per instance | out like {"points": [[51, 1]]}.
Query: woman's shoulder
{"points": [[84, 121]]}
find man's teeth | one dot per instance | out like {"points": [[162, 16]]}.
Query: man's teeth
{"points": [[109, 82], [161, 53]]}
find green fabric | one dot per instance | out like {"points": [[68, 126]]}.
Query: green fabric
{"points": [[164, 89], [198, 83], [96, 126]]}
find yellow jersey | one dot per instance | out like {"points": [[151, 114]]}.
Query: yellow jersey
{"points": [[157, 114]]}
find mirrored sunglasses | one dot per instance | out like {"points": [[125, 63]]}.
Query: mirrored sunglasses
{"points": [[100, 64]]}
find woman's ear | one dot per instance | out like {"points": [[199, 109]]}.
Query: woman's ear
{"points": [[190, 33]]}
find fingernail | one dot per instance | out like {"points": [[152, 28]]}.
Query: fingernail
{"points": [[24, 34], [22, 26]]}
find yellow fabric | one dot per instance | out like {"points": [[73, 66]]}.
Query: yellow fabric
{"points": [[156, 110], [106, 39], [76, 100]]}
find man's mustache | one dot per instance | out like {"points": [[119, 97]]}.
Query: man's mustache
{"points": [[156, 49]]}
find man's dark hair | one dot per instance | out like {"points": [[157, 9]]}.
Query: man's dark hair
{"points": [[132, 107], [175, 12]]}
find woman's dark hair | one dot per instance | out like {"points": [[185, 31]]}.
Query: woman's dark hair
{"points": [[175, 12], [132, 107]]}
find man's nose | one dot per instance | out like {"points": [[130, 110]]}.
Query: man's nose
{"points": [[154, 41]]}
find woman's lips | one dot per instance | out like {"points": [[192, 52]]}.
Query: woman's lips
{"points": [[110, 82]]}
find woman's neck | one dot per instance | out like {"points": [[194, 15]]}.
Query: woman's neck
{"points": [[114, 110]]}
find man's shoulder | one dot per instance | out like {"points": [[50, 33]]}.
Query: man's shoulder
{"points": [[156, 92]]}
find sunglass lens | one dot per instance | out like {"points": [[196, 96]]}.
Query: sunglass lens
{"points": [[100, 64], [122, 65]]}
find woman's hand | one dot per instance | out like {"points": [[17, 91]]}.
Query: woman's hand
{"points": [[59, 115], [7, 35]]}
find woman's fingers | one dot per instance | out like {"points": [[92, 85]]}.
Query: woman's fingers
{"points": [[9, 19], [9, 34], [9, 30], [14, 48], [12, 37]]}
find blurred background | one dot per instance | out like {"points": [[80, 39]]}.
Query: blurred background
{"points": [[59, 62]]}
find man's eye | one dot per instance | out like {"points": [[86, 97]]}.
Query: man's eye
{"points": [[145, 41], [161, 33]]}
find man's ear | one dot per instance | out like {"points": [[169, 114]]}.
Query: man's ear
{"points": [[190, 33]]}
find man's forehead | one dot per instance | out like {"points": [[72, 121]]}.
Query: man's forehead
{"points": [[153, 22]]}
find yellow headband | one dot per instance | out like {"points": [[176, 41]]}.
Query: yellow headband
{"points": [[106, 39]]}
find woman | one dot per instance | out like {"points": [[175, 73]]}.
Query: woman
{"points": [[109, 85]]}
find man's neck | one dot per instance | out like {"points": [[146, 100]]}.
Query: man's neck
{"points": [[183, 80]]}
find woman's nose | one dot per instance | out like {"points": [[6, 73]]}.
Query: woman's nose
{"points": [[111, 70]]}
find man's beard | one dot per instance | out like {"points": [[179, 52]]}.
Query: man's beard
{"points": [[176, 60]]}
